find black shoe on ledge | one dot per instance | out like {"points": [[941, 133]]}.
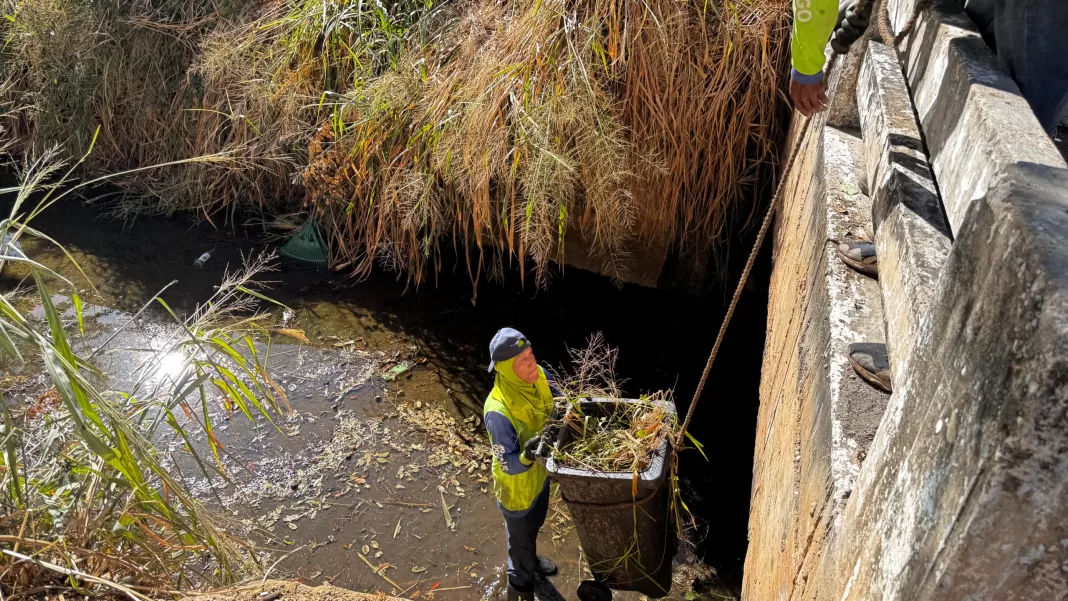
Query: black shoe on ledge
{"points": [[871, 362], [860, 255]]}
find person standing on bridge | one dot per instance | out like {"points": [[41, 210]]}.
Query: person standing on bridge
{"points": [[814, 23], [1027, 37], [516, 411]]}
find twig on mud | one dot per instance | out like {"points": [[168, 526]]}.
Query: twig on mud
{"points": [[275, 564], [379, 572], [403, 504], [405, 591], [445, 510]]}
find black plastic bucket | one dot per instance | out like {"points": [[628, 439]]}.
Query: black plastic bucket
{"points": [[627, 537]]}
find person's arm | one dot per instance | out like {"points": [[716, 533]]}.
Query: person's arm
{"points": [[504, 442], [814, 22]]}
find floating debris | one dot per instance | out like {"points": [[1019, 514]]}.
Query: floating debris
{"points": [[397, 371], [201, 260], [445, 509], [293, 333]]}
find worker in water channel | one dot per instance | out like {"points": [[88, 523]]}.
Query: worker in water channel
{"points": [[515, 414]]}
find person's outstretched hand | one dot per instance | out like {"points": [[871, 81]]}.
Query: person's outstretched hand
{"points": [[808, 98]]}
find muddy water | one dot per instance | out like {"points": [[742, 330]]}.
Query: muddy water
{"points": [[377, 469]]}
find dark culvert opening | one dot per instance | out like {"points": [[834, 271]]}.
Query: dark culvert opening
{"points": [[664, 336]]}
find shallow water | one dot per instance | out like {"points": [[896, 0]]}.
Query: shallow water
{"points": [[369, 462]]}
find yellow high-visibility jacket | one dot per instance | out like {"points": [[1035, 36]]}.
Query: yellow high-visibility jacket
{"points": [[814, 22]]}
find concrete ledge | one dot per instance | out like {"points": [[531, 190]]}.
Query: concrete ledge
{"points": [[968, 495], [974, 119], [911, 235], [855, 314], [816, 416]]}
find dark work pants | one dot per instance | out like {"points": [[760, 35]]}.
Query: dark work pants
{"points": [[1031, 40], [523, 541]]}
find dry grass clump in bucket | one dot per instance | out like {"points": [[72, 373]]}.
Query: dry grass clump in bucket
{"points": [[625, 439]]}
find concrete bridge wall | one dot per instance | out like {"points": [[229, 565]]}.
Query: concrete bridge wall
{"points": [[956, 485]]}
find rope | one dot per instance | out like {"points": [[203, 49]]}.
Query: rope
{"points": [[887, 33], [745, 276], [892, 41]]}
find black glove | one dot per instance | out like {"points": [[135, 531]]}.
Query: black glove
{"points": [[530, 449], [851, 25]]}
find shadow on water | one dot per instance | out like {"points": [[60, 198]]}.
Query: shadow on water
{"points": [[664, 337]]}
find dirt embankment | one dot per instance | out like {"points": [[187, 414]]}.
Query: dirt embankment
{"points": [[279, 590]]}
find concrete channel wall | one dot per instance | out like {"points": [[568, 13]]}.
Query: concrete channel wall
{"points": [[956, 485]]}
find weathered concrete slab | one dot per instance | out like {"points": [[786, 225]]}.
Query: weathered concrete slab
{"points": [[968, 497], [974, 119], [817, 417], [774, 502], [963, 493], [911, 235], [839, 412]]}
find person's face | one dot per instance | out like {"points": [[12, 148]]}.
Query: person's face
{"points": [[525, 366]]}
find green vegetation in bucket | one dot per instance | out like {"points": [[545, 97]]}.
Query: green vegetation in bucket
{"points": [[628, 437], [623, 441], [307, 246]]}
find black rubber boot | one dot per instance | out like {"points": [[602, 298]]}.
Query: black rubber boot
{"points": [[515, 594], [591, 590], [872, 363], [545, 567]]}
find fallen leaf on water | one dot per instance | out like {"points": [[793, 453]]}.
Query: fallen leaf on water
{"points": [[374, 545], [417, 594], [317, 574], [345, 546], [466, 548], [396, 530], [292, 333], [377, 555], [435, 586], [366, 549], [445, 509], [418, 570], [292, 526]]}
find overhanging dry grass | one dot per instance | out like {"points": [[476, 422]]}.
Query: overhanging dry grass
{"points": [[630, 122], [501, 126]]}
